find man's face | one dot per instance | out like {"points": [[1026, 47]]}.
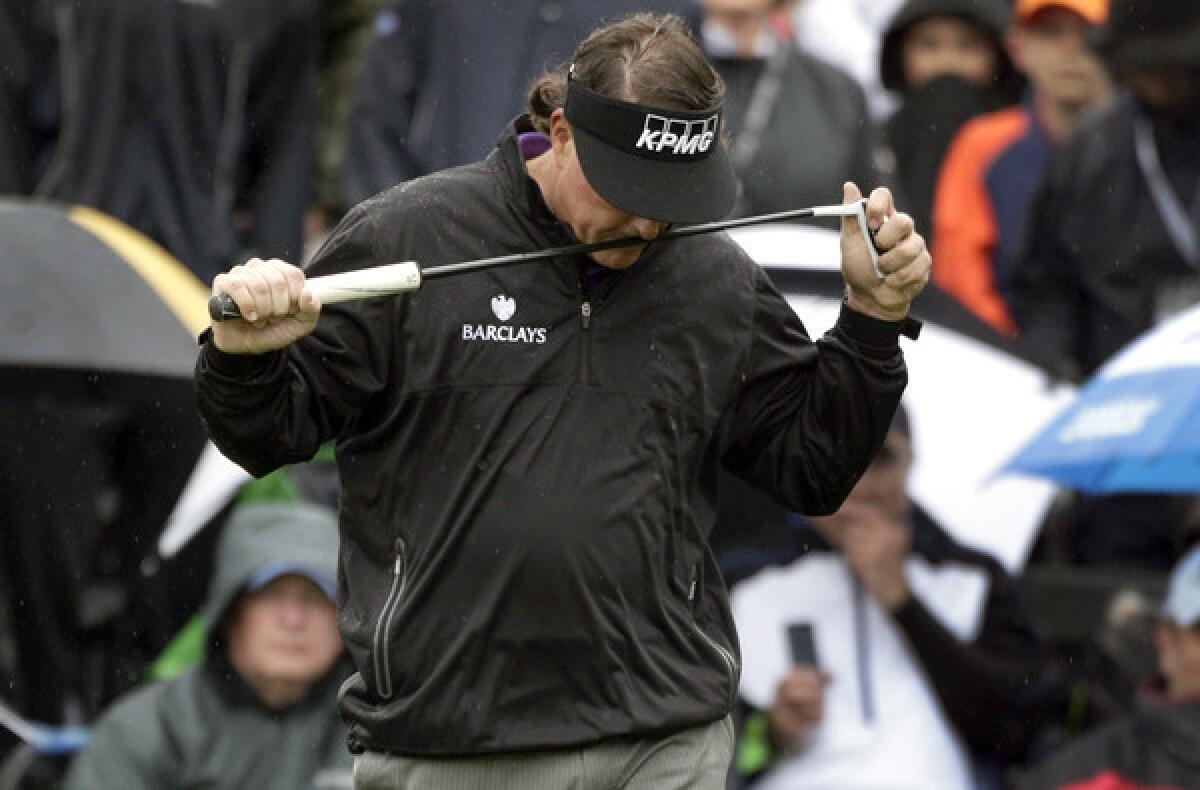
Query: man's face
{"points": [[1179, 660], [883, 487], [285, 632], [1051, 48], [590, 216], [940, 46]]}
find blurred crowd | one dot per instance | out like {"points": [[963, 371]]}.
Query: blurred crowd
{"points": [[1049, 150]]}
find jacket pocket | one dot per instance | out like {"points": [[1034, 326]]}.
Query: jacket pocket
{"points": [[725, 654], [383, 626]]}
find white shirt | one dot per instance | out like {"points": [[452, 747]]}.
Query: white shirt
{"points": [[907, 742]]}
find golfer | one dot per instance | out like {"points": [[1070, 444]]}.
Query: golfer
{"points": [[529, 456]]}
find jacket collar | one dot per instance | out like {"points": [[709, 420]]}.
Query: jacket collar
{"points": [[521, 190]]}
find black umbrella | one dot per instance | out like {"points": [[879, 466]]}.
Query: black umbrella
{"points": [[80, 290], [97, 328]]}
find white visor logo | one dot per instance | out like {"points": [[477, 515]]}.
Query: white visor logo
{"points": [[676, 136]]}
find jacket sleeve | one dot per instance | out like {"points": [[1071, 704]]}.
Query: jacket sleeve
{"points": [[810, 416], [964, 228], [989, 689], [264, 411], [281, 116], [386, 99]]}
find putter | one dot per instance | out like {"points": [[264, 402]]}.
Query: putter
{"points": [[395, 278]]}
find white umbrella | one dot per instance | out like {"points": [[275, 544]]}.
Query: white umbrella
{"points": [[972, 401]]}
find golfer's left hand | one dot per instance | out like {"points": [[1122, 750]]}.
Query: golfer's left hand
{"points": [[903, 259]]}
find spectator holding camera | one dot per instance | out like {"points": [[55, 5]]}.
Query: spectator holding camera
{"points": [[922, 669]]}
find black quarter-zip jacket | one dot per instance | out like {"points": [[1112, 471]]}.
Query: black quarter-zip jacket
{"points": [[529, 470]]}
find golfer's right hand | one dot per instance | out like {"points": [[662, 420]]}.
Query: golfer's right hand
{"points": [[276, 308]]}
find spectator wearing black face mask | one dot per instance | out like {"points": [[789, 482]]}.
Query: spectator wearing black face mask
{"points": [[946, 63]]}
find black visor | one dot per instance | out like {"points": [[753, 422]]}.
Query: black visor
{"points": [[666, 165]]}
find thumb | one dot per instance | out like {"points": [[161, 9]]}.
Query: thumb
{"points": [[850, 194]]}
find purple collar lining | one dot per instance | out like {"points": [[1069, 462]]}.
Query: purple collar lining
{"points": [[533, 144]]}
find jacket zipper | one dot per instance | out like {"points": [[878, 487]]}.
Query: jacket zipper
{"points": [[383, 626], [585, 322], [717, 647]]}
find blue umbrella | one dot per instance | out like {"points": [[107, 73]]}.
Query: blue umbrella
{"points": [[1135, 426]]}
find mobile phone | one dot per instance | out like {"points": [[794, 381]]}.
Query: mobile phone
{"points": [[802, 644]]}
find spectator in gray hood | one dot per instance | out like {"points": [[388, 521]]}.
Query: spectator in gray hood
{"points": [[260, 710]]}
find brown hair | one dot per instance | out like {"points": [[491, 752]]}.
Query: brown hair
{"points": [[645, 58]]}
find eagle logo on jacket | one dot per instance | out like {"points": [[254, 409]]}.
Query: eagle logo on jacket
{"points": [[504, 306]]}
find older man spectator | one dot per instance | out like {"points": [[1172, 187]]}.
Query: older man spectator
{"points": [[261, 709]]}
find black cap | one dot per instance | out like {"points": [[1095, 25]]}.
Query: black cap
{"points": [[660, 164], [1150, 34]]}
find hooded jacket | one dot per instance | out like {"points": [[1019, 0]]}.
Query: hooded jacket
{"points": [[206, 728], [529, 466], [920, 131], [992, 17]]}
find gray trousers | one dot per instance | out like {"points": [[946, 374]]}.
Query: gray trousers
{"points": [[695, 759]]}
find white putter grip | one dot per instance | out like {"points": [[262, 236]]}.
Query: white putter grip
{"points": [[858, 210], [386, 280], [392, 278]]}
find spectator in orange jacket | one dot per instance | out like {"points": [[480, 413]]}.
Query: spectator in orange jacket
{"points": [[996, 162]]}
